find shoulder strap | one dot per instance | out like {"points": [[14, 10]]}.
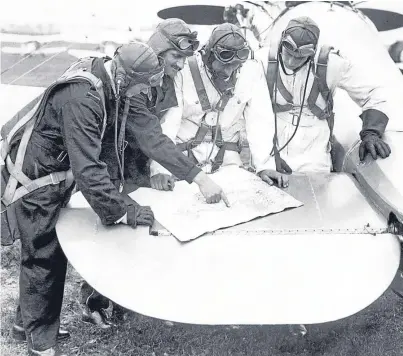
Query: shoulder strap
{"points": [[273, 77], [321, 73], [320, 87], [71, 75], [271, 69], [198, 82]]}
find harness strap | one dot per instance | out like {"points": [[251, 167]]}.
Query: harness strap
{"points": [[196, 141], [17, 174], [321, 73], [198, 82], [5, 147], [273, 77], [200, 134], [271, 70], [19, 161], [121, 139], [281, 108], [319, 86], [283, 90], [53, 178], [219, 158], [223, 146], [11, 193], [203, 128]]}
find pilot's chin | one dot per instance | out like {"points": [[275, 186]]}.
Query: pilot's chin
{"points": [[172, 73]]}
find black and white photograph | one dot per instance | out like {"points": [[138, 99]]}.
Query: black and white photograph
{"points": [[201, 178]]}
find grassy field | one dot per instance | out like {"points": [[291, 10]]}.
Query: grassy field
{"points": [[376, 331]]}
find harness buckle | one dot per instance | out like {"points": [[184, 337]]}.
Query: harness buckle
{"points": [[203, 123], [192, 144], [62, 155], [54, 178], [295, 113]]}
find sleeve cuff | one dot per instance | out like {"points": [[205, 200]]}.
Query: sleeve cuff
{"points": [[156, 168], [192, 174], [373, 121]]}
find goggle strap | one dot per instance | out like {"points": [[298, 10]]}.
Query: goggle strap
{"points": [[227, 34], [293, 27], [169, 36]]}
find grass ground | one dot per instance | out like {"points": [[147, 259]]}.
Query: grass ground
{"points": [[376, 331]]}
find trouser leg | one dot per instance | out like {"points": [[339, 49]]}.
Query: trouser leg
{"points": [[397, 284], [18, 316], [93, 299], [42, 277], [94, 306]]}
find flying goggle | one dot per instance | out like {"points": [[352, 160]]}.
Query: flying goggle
{"points": [[183, 41], [148, 78], [152, 78], [226, 55], [298, 51]]}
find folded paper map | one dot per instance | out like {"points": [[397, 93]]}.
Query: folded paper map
{"points": [[185, 213]]}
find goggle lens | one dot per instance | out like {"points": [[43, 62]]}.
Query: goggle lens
{"points": [[227, 55], [186, 43], [243, 54], [302, 51]]}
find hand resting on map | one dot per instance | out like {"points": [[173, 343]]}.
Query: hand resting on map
{"points": [[211, 191], [162, 181], [273, 177]]}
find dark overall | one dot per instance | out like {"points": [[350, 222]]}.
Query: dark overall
{"points": [[68, 135]]}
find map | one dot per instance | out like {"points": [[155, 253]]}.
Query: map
{"points": [[186, 215]]}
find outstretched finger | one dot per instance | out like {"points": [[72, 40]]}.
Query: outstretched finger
{"points": [[225, 199]]}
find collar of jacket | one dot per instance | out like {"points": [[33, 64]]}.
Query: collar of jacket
{"points": [[98, 69], [166, 96]]}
